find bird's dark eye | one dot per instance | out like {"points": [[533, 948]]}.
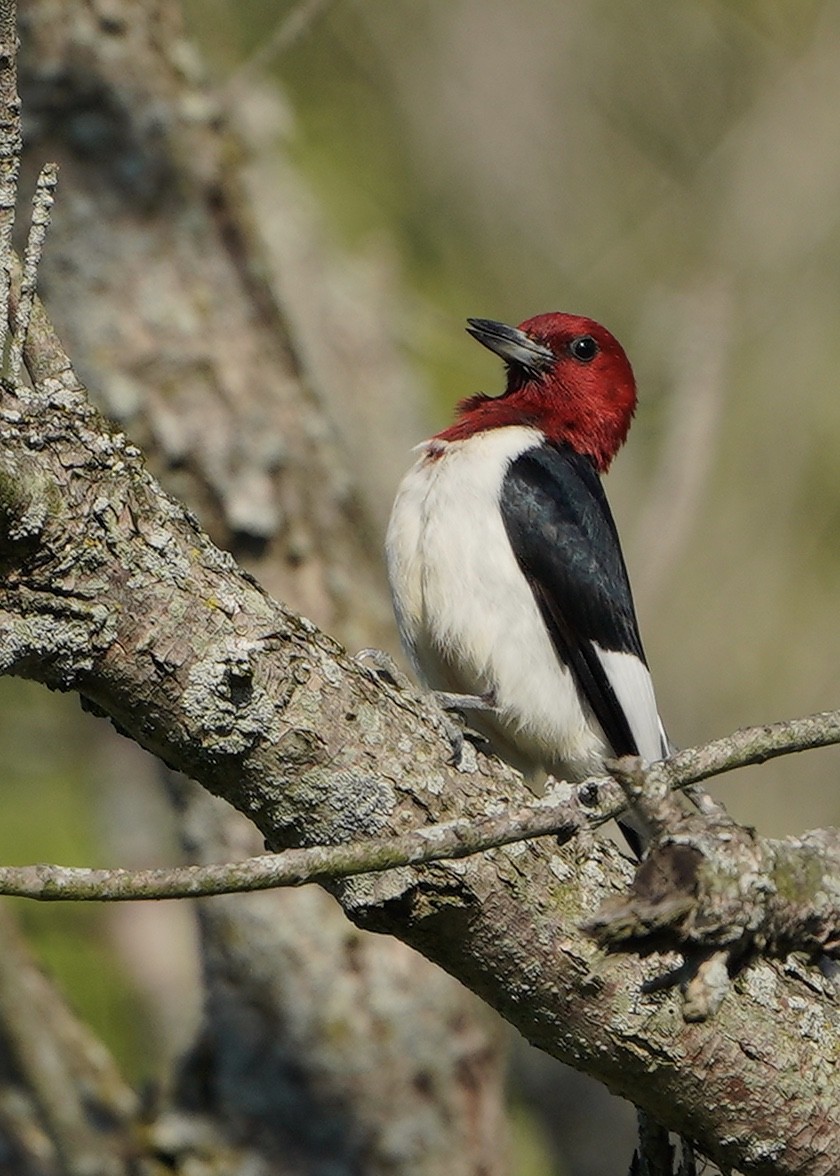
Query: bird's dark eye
{"points": [[584, 348]]}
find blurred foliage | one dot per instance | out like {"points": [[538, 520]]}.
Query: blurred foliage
{"points": [[48, 813], [534, 1156]]}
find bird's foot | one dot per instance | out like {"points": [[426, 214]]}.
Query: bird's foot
{"points": [[385, 669], [460, 740], [383, 666]]}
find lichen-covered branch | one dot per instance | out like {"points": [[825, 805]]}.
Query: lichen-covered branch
{"points": [[719, 894], [293, 867]]}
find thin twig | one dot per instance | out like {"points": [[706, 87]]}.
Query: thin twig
{"points": [[293, 867], [289, 28], [695, 412], [562, 813], [749, 745], [42, 202]]}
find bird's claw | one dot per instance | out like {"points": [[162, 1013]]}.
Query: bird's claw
{"points": [[463, 743], [459, 738], [382, 666], [454, 732]]}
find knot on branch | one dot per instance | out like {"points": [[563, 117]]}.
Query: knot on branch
{"points": [[223, 699], [720, 895]]}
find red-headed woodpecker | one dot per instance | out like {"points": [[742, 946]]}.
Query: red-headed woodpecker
{"points": [[504, 560]]}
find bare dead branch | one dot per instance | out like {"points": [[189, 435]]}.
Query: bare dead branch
{"points": [[41, 204], [11, 143]]}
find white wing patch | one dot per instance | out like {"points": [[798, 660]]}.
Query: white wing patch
{"points": [[631, 681]]}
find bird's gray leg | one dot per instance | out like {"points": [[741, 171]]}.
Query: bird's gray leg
{"points": [[385, 665], [455, 733], [464, 702]]}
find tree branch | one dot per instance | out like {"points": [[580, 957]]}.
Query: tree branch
{"points": [[750, 745], [562, 813], [293, 867]]}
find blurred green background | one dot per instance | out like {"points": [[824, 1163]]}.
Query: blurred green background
{"points": [[670, 167]]}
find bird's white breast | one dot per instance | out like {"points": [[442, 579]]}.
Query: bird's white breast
{"points": [[466, 612]]}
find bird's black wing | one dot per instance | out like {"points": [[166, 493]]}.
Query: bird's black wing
{"points": [[565, 541]]}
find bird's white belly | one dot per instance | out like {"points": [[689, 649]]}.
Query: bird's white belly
{"points": [[467, 614]]}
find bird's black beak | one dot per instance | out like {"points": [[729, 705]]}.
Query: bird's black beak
{"points": [[512, 345]]}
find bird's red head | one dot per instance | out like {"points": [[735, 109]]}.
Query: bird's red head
{"points": [[567, 376]]}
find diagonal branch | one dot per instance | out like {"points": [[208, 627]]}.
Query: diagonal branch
{"points": [[750, 745]]}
